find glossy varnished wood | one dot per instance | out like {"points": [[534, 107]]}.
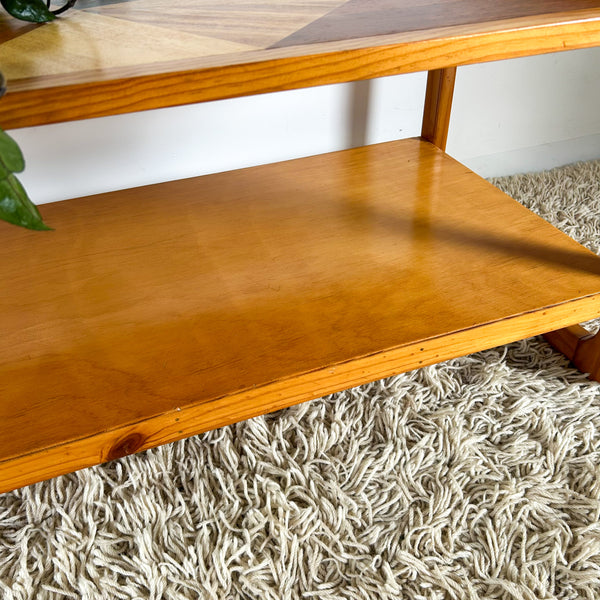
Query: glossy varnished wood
{"points": [[155, 313], [438, 106], [142, 54], [364, 18]]}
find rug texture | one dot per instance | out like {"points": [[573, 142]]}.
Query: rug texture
{"points": [[476, 478]]}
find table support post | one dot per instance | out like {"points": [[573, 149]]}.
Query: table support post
{"points": [[438, 104], [580, 346]]}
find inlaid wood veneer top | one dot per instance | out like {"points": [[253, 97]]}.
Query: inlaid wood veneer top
{"points": [[120, 40], [127, 33]]}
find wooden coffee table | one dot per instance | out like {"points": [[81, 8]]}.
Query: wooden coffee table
{"points": [[156, 313]]}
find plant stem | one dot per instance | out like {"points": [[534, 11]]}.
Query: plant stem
{"points": [[62, 9]]}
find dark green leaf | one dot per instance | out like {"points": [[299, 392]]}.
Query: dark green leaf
{"points": [[11, 159], [28, 10], [16, 207]]}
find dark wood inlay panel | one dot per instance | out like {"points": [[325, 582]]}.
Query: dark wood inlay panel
{"points": [[365, 18]]}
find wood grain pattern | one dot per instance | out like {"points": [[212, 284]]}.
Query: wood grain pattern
{"points": [[241, 293], [247, 22], [149, 83], [438, 106], [567, 340], [86, 39], [194, 418], [366, 18]]}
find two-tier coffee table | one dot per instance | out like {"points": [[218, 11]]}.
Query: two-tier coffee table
{"points": [[156, 313]]}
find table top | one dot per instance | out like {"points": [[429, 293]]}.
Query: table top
{"points": [[114, 56]]}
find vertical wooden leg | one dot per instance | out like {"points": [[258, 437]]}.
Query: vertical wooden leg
{"points": [[438, 104]]}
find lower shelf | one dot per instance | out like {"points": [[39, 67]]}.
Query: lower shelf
{"points": [[156, 313]]}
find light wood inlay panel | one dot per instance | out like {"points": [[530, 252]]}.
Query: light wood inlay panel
{"points": [[155, 313], [259, 24], [87, 41], [145, 54]]}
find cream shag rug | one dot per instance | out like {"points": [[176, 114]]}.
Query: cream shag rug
{"points": [[476, 478]]}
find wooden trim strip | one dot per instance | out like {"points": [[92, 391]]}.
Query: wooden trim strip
{"points": [[179, 424], [65, 98]]}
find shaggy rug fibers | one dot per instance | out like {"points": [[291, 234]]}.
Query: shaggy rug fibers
{"points": [[476, 478]]}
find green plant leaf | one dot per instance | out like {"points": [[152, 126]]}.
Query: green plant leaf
{"points": [[11, 158], [28, 10], [16, 207]]}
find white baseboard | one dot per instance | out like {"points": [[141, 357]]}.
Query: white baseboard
{"points": [[536, 158]]}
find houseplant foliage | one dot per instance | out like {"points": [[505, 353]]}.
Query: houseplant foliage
{"points": [[15, 205], [36, 11]]}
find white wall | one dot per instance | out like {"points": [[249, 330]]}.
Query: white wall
{"points": [[511, 116], [527, 114]]}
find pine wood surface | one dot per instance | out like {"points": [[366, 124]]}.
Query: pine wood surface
{"points": [[113, 57], [155, 313], [438, 106]]}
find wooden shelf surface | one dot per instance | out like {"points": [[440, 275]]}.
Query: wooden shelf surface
{"points": [[156, 313], [105, 58]]}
